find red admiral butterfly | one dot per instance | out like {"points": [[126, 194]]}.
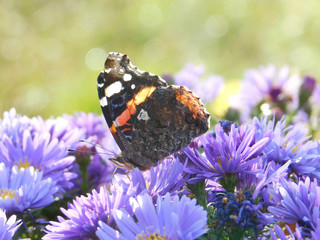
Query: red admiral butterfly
{"points": [[148, 119]]}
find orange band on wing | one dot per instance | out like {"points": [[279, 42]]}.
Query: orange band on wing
{"points": [[123, 117], [113, 129], [139, 98]]}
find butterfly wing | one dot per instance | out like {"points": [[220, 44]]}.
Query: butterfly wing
{"points": [[121, 88]]}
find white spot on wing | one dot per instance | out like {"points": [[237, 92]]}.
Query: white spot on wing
{"points": [[103, 102], [127, 77], [133, 86], [108, 70], [100, 85], [114, 88], [143, 115]]}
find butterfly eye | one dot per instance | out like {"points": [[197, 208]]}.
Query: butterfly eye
{"points": [[190, 118]]}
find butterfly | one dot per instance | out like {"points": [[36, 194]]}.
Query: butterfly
{"points": [[148, 119]]}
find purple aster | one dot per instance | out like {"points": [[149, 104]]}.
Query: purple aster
{"points": [[41, 152], [41, 144], [8, 227], [84, 213], [167, 176], [306, 160], [290, 143], [190, 76], [24, 188], [284, 140], [226, 154], [296, 203], [273, 90], [171, 219], [13, 125]]}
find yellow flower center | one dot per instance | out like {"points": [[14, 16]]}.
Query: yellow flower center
{"points": [[24, 164], [150, 236], [4, 193]]}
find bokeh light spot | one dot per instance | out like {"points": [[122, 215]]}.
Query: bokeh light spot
{"points": [[95, 58], [36, 97]]}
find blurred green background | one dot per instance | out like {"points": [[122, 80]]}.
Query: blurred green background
{"points": [[51, 51]]}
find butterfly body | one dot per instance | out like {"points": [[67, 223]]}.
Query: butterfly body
{"points": [[148, 118]]}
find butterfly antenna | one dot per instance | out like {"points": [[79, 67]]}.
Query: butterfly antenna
{"points": [[97, 146], [79, 151], [89, 151]]}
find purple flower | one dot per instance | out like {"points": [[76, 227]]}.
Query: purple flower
{"points": [[41, 144], [168, 176], [24, 188], [290, 143], [85, 212], [8, 227], [227, 154], [171, 219], [285, 141], [306, 161], [271, 89], [190, 76], [13, 125], [296, 203], [41, 152]]}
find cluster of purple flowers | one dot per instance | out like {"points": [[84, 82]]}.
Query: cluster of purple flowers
{"points": [[254, 180]]}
